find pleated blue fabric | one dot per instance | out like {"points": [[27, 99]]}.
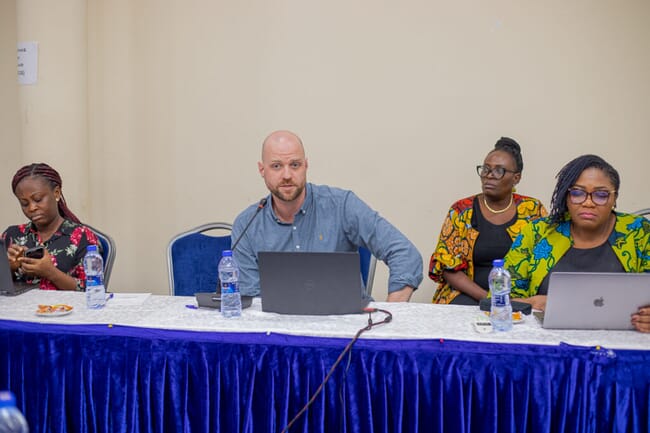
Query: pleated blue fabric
{"points": [[99, 378]]}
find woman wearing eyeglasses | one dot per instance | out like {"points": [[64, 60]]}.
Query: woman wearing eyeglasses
{"points": [[583, 233], [481, 228]]}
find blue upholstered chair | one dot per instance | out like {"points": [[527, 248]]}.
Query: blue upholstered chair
{"points": [[193, 257], [368, 265], [108, 252]]}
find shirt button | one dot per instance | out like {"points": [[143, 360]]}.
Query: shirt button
{"points": [[297, 247], [294, 227]]}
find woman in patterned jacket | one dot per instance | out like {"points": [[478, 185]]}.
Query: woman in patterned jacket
{"points": [[481, 228], [583, 233]]}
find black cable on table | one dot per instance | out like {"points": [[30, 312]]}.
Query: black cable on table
{"points": [[368, 327]]}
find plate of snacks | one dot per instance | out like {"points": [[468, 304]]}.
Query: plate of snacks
{"points": [[54, 310], [517, 317]]}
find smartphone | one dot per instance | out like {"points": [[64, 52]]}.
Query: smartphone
{"points": [[213, 300], [35, 252], [482, 326]]}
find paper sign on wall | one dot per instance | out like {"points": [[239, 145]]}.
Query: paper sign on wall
{"points": [[27, 62]]}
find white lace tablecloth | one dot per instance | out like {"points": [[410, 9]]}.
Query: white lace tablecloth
{"points": [[410, 321]]}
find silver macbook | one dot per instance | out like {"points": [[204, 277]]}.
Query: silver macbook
{"points": [[593, 300], [311, 283], [9, 287]]}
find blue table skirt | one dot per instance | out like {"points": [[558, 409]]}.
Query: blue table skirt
{"points": [[81, 378]]}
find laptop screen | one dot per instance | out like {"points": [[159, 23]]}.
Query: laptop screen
{"points": [[311, 283], [8, 287], [594, 300]]}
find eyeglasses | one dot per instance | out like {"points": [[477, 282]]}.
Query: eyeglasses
{"points": [[600, 197], [497, 172]]}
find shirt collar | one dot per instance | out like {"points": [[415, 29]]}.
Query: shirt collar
{"points": [[306, 207], [308, 204], [66, 228]]}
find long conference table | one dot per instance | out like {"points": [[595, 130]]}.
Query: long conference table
{"points": [[151, 364]]}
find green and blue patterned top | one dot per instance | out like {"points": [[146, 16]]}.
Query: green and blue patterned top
{"points": [[540, 245]]}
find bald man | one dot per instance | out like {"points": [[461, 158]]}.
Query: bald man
{"points": [[301, 216]]}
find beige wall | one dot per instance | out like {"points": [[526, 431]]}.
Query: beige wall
{"points": [[395, 100], [10, 144]]}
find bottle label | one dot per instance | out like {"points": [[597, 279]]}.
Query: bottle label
{"points": [[229, 288], [500, 299], [94, 280]]}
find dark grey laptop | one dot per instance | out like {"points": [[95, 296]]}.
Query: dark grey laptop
{"points": [[9, 287], [594, 300], [311, 283]]}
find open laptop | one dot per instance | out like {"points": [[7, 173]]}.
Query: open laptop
{"points": [[9, 287], [311, 283], [594, 300]]}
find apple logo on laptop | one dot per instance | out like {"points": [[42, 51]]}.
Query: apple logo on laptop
{"points": [[599, 302]]}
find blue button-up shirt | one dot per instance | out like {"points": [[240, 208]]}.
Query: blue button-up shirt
{"points": [[331, 219]]}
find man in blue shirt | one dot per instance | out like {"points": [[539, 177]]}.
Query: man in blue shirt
{"points": [[301, 216]]}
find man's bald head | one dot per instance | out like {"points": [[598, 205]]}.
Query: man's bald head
{"points": [[282, 142], [284, 167]]}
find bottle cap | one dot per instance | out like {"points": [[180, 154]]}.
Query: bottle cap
{"points": [[7, 399], [90, 248], [497, 263], [226, 253]]}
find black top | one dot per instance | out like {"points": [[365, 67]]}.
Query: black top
{"points": [[493, 242], [597, 259]]}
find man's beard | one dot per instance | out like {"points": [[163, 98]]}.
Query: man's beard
{"points": [[288, 197]]}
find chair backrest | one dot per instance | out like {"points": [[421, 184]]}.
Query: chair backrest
{"points": [[193, 257], [108, 252], [368, 265], [643, 212]]}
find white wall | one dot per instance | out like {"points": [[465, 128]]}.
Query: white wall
{"points": [[395, 100]]}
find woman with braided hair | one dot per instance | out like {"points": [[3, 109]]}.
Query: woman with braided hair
{"points": [[583, 233], [51, 225]]}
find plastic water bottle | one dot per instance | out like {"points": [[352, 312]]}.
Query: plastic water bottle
{"points": [[229, 277], [94, 268], [11, 419], [501, 311]]}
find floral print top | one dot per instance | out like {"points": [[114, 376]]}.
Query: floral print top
{"points": [[540, 245], [455, 247], [67, 247]]}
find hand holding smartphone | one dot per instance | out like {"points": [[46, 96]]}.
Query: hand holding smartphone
{"points": [[35, 252]]}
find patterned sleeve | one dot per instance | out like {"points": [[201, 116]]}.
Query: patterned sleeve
{"points": [[518, 261], [454, 246], [534, 253], [644, 245], [646, 248], [80, 238]]}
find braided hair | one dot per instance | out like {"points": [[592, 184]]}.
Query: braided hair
{"points": [[52, 177], [512, 148], [568, 176]]}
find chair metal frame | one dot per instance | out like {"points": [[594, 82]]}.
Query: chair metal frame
{"points": [[108, 256], [643, 212], [200, 229]]}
